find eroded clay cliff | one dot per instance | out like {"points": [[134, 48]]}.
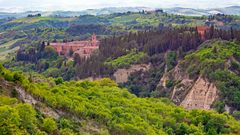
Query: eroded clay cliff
{"points": [[121, 75], [189, 93], [201, 95]]}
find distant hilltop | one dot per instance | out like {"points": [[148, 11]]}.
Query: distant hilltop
{"points": [[233, 10]]}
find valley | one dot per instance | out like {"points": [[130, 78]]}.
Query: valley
{"points": [[116, 72]]}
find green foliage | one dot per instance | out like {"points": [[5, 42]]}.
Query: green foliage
{"points": [[229, 84], [58, 80], [218, 61], [236, 115], [66, 131], [8, 75], [123, 113], [126, 60], [49, 52], [18, 77], [17, 118], [235, 65], [64, 123], [219, 106], [210, 57], [169, 83], [112, 110], [10, 121], [49, 125], [14, 93], [171, 60], [52, 72], [144, 83], [7, 101], [41, 133], [27, 117]]}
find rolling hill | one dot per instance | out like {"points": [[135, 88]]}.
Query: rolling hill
{"points": [[96, 107], [232, 10]]}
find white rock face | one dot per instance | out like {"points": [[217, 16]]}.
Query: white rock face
{"points": [[201, 95], [190, 93]]}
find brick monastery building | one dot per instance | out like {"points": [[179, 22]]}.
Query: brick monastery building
{"points": [[83, 48], [202, 30]]}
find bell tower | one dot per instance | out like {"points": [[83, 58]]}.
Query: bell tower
{"points": [[94, 40]]}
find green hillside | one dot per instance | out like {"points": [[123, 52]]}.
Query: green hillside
{"points": [[7, 49], [42, 92], [219, 61], [20, 118], [104, 108], [124, 20]]}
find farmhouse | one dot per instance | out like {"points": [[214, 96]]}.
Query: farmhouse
{"points": [[83, 48]]}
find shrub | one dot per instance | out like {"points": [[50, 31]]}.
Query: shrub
{"points": [[18, 77], [236, 115], [126, 60], [49, 125], [58, 80], [169, 83]]}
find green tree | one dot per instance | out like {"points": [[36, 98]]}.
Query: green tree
{"points": [[28, 117], [18, 77], [219, 106], [10, 121], [49, 52], [49, 125], [236, 115], [58, 80], [64, 123]]}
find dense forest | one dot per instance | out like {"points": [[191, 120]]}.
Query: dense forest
{"points": [[101, 107], [153, 43], [135, 47]]}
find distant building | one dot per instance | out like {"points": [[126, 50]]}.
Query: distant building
{"points": [[202, 30], [83, 48]]}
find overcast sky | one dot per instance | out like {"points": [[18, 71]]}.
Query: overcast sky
{"points": [[76, 5]]}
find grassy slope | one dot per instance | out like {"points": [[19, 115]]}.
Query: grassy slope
{"points": [[149, 20], [38, 19], [5, 49], [123, 21]]}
